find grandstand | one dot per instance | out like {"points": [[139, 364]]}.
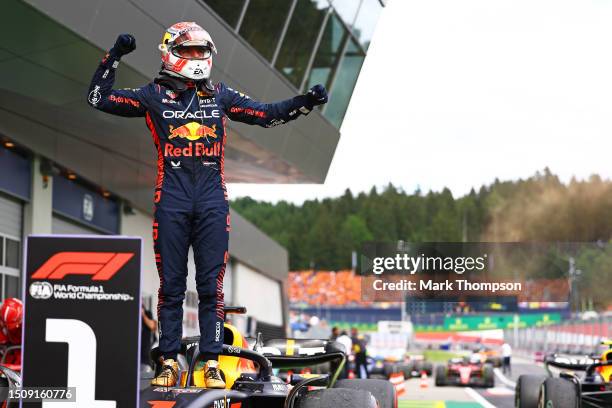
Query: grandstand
{"points": [[328, 288], [336, 297]]}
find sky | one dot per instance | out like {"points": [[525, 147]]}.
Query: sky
{"points": [[457, 93]]}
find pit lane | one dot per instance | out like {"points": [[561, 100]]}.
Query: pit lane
{"points": [[500, 396]]}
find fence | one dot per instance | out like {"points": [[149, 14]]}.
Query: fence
{"points": [[570, 336]]}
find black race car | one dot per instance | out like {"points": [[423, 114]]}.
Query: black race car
{"points": [[251, 383], [412, 367], [593, 389], [249, 378]]}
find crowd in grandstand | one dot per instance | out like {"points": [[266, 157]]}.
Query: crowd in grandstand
{"points": [[330, 288]]}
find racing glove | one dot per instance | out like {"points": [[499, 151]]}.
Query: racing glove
{"points": [[125, 44], [316, 96]]}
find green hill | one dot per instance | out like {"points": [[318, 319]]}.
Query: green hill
{"points": [[322, 234]]}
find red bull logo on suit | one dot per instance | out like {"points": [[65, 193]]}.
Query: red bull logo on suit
{"points": [[193, 131], [197, 149]]}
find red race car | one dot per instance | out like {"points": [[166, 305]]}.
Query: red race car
{"points": [[466, 371]]}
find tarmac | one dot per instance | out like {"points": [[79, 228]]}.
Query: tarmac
{"points": [[500, 396]]}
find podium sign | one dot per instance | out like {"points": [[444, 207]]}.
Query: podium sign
{"points": [[82, 318]]}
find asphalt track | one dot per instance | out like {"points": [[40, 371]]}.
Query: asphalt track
{"points": [[500, 396]]}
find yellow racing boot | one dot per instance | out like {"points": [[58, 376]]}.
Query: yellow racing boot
{"points": [[212, 375], [168, 376]]}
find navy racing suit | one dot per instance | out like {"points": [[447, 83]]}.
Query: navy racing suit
{"points": [[187, 122]]}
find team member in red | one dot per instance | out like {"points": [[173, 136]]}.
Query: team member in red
{"points": [[11, 320], [186, 114]]}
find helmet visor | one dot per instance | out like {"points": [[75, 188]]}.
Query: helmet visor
{"points": [[192, 52], [194, 37]]}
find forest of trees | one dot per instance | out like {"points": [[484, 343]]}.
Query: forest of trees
{"points": [[322, 234]]}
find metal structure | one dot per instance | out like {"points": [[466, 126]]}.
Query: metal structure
{"points": [[571, 336], [76, 170]]}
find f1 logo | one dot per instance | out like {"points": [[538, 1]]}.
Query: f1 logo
{"points": [[101, 265]]}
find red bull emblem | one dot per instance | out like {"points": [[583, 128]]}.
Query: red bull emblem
{"points": [[197, 149], [193, 131]]}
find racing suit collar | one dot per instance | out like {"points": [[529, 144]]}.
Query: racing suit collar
{"points": [[179, 85]]}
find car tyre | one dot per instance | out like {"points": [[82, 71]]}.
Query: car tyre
{"points": [[488, 376], [558, 393], [337, 398], [440, 376], [388, 369], [527, 392], [406, 369], [382, 390]]}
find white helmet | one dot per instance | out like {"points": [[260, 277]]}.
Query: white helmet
{"points": [[186, 51]]}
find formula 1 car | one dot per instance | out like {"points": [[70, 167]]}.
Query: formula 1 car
{"points": [[417, 364], [412, 367], [569, 390], [466, 371], [250, 382], [492, 356]]}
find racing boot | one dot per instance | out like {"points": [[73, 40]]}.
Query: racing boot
{"points": [[212, 375], [168, 376]]}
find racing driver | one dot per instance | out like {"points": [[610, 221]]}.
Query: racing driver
{"points": [[186, 114]]}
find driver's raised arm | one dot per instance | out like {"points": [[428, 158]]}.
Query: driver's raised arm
{"points": [[102, 96], [241, 108]]}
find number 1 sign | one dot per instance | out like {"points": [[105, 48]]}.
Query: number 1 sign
{"points": [[82, 318]]}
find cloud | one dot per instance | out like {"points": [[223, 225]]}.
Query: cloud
{"points": [[458, 93]]}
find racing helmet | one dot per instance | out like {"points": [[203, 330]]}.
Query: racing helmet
{"points": [[11, 315], [186, 51]]}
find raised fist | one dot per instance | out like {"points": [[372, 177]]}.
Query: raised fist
{"points": [[125, 44], [317, 95]]}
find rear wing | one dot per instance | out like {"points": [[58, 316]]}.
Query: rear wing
{"points": [[564, 362], [294, 353]]}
